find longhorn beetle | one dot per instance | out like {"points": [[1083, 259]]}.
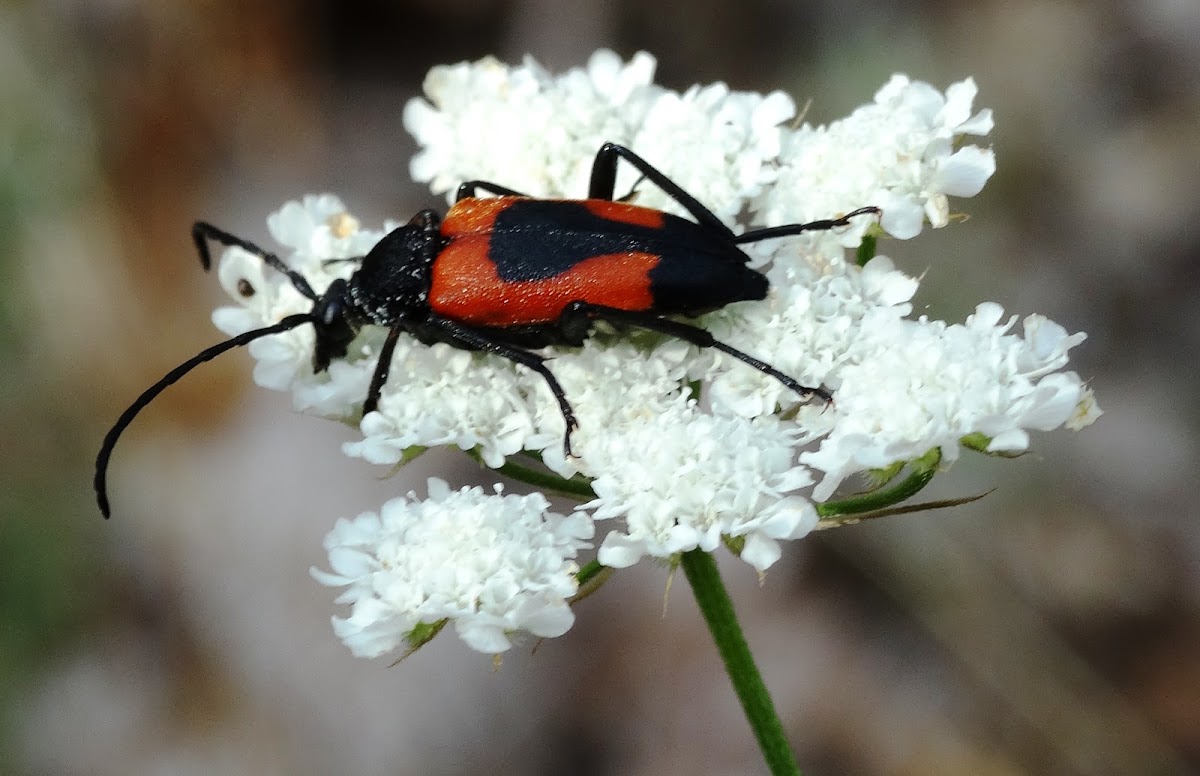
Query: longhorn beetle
{"points": [[508, 273]]}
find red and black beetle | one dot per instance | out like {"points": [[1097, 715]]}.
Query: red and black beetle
{"points": [[508, 273]]}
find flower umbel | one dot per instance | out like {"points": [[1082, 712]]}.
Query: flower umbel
{"points": [[682, 449], [493, 564]]}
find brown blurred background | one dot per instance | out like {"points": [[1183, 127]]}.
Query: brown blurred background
{"points": [[1053, 628]]}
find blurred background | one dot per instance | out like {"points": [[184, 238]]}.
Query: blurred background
{"points": [[1053, 628]]}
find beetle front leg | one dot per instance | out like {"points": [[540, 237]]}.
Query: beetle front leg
{"points": [[380, 376], [202, 232]]}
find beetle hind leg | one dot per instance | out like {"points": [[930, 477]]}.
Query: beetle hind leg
{"points": [[687, 333], [604, 183], [467, 189]]}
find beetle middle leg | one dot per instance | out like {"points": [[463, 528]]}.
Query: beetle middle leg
{"points": [[455, 333], [786, 230]]}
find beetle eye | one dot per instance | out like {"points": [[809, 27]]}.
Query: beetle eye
{"points": [[332, 312], [244, 288]]}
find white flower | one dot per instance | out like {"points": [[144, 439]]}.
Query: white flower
{"points": [[611, 384], [720, 145], [897, 153], [494, 564], [910, 386], [319, 228], [683, 446], [536, 133], [523, 128], [681, 479], [808, 327], [440, 396], [1086, 412]]}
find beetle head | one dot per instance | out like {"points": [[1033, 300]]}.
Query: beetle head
{"points": [[332, 319]]}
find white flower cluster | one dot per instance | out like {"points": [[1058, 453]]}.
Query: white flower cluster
{"points": [[673, 468], [492, 564], [537, 133], [897, 153], [916, 385]]}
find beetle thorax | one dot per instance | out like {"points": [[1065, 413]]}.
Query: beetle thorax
{"points": [[392, 283]]}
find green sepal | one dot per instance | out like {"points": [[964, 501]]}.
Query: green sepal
{"points": [[409, 455], [979, 443], [921, 472], [866, 249], [877, 478], [838, 521], [421, 634], [590, 578]]}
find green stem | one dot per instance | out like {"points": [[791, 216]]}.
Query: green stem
{"points": [[575, 487], [717, 608]]}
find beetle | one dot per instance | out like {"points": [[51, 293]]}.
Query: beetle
{"points": [[510, 273]]}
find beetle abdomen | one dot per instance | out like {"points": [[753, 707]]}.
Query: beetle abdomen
{"points": [[511, 261]]}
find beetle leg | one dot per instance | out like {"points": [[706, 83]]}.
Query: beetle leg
{"points": [[604, 182], [786, 230], [688, 333], [380, 376], [467, 190], [477, 339], [202, 232]]}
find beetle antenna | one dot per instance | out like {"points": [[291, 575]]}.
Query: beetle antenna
{"points": [[170, 378]]}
